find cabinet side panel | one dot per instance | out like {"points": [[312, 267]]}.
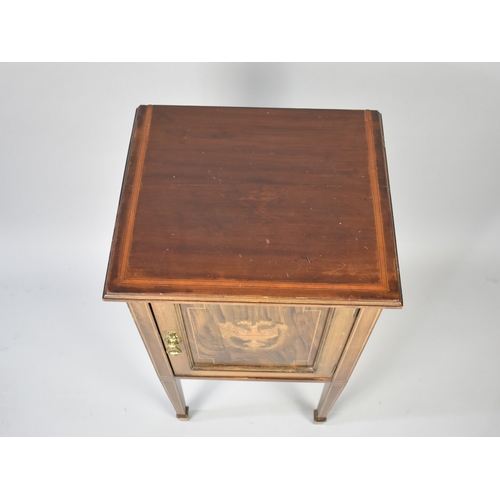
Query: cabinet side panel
{"points": [[365, 322], [338, 333], [147, 328], [168, 319], [146, 325], [360, 333]]}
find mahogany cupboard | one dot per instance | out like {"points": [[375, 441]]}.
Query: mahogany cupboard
{"points": [[255, 243]]}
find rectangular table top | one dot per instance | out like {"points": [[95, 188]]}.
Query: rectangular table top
{"points": [[255, 205]]}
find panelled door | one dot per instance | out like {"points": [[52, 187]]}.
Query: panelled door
{"points": [[256, 341]]}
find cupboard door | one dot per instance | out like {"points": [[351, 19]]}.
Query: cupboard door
{"points": [[263, 340]]}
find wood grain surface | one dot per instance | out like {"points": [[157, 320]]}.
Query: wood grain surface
{"points": [[267, 342], [254, 335], [255, 204]]}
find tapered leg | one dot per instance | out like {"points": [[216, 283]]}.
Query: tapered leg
{"points": [[360, 333], [328, 397], [174, 392], [146, 325]]}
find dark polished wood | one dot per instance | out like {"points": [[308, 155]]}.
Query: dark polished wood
{"points": [[255, 243], [255, 204]]}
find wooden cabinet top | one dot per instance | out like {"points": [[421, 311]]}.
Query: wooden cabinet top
{"points": [[255, 205]]}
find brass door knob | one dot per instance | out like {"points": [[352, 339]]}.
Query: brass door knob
{"points": [[173, 341]]}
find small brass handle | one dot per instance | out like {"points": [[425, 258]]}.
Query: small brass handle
{"points": [[173, 341]]}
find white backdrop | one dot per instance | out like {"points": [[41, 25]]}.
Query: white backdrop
{"points": [[72, 365]]}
